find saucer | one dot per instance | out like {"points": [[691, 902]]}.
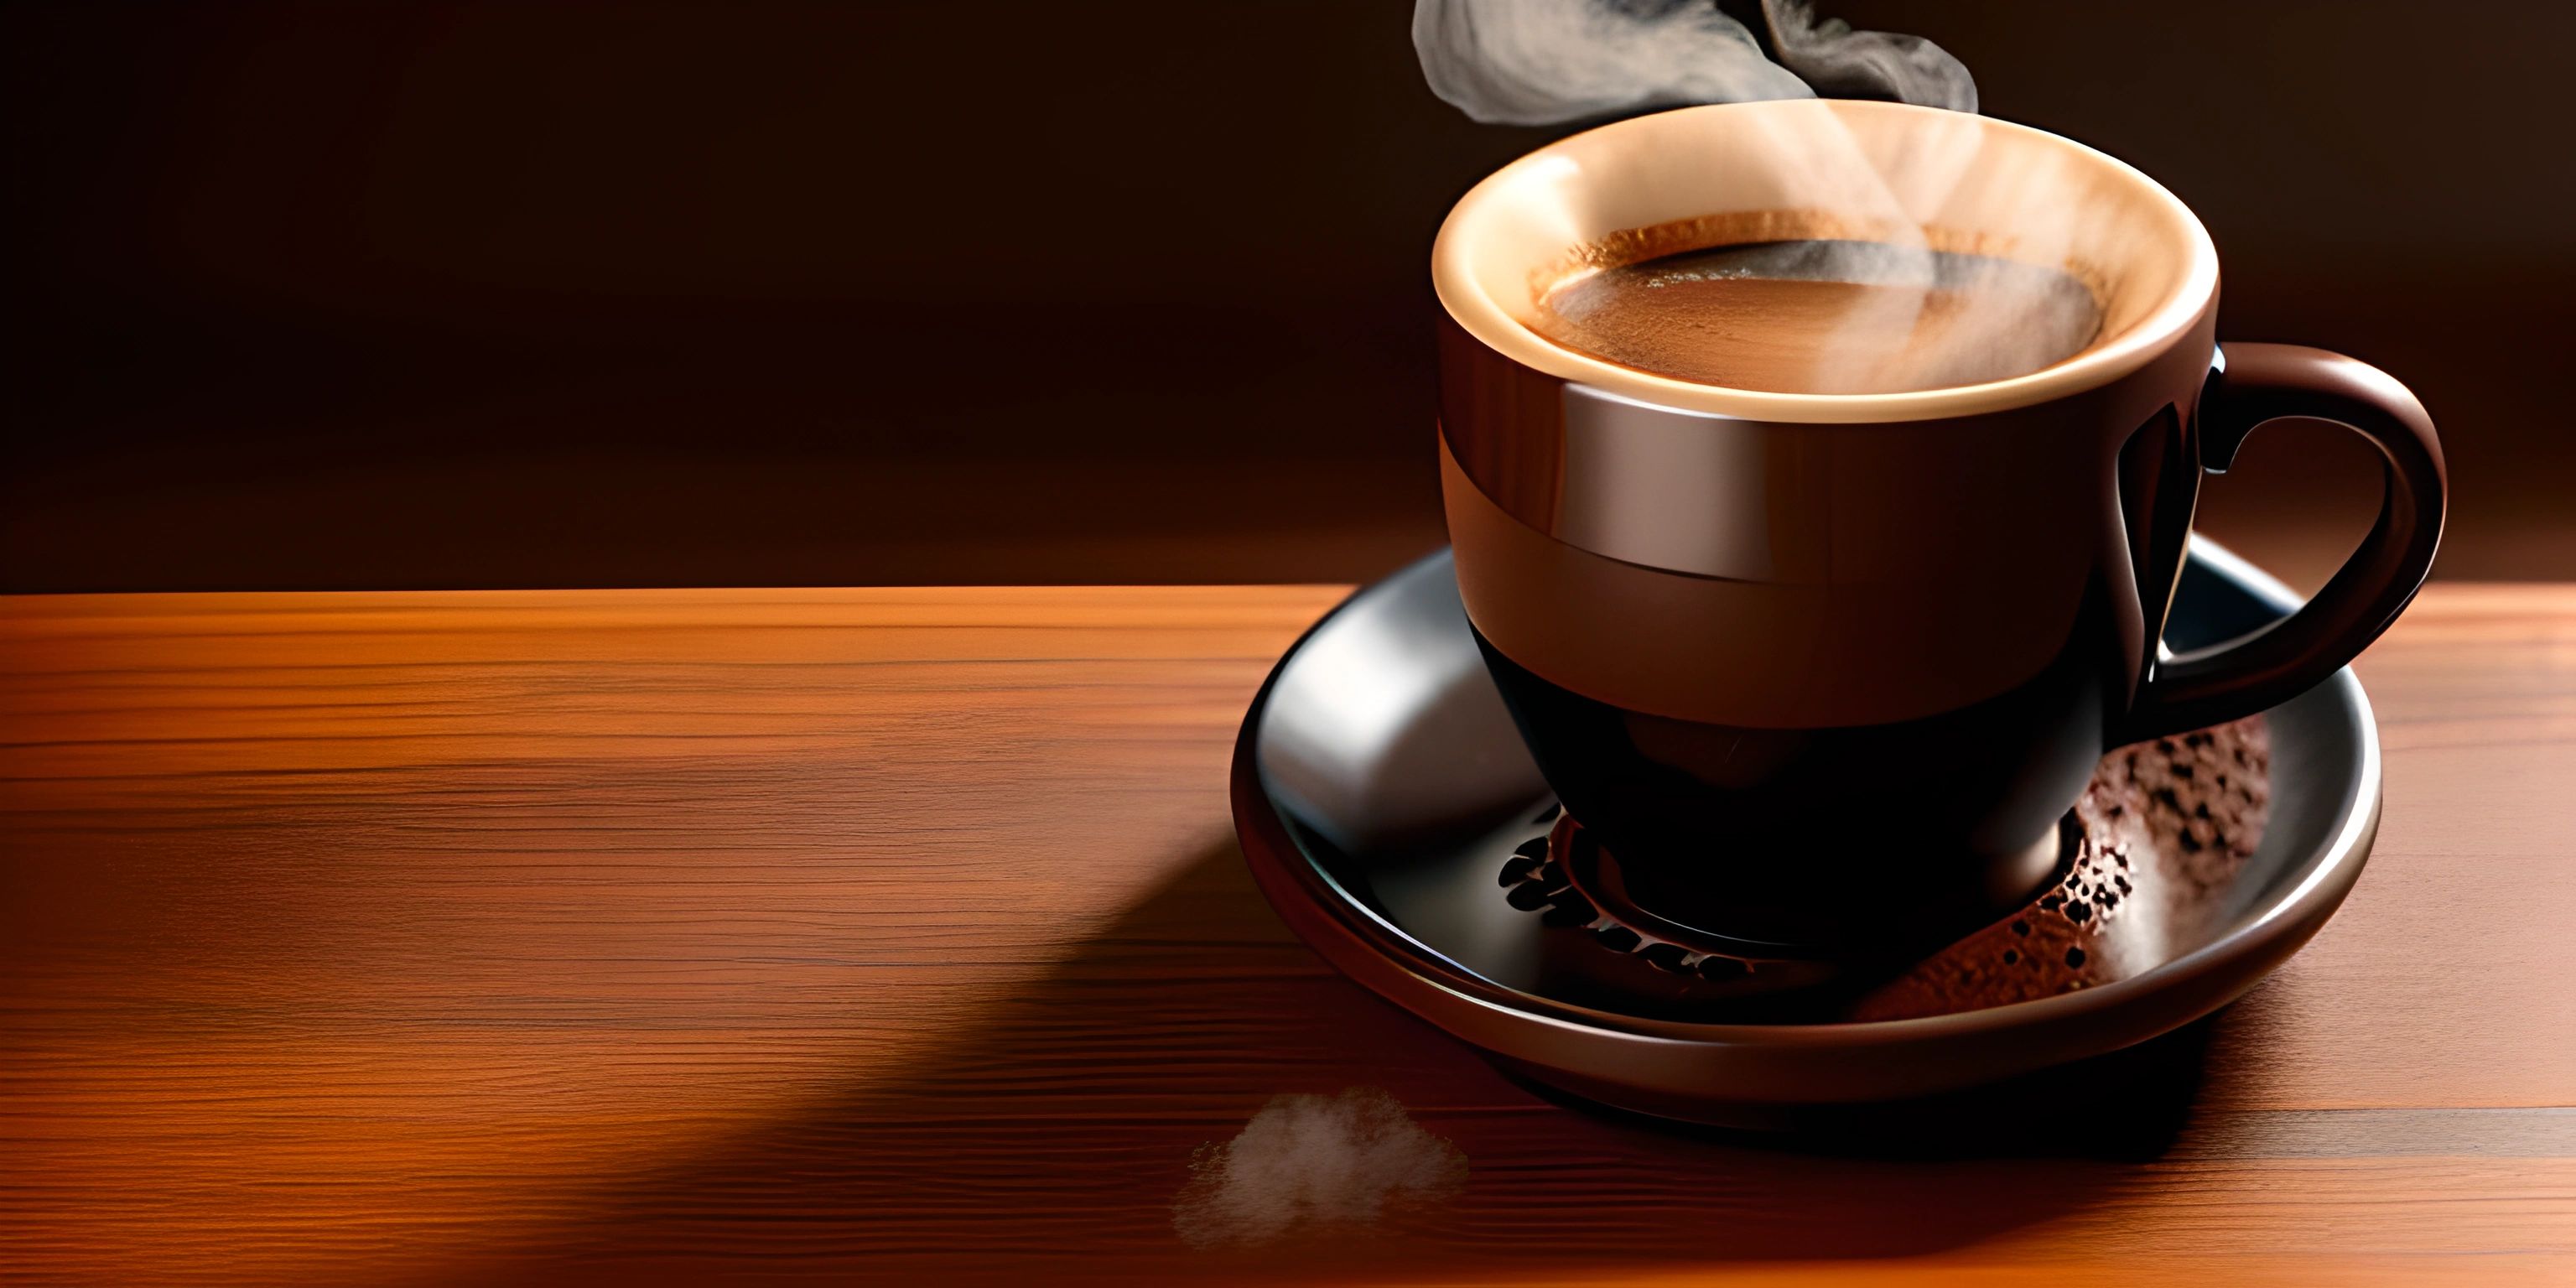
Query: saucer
{"points": [[1392, 817]]}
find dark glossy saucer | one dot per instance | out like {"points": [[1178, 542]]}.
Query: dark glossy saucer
{"points": [[1391, 815]]}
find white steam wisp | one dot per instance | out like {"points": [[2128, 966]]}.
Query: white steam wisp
{"points": [[1541, 62], [1311, 1164]]}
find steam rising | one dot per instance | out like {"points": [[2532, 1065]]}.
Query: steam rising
{"points": [[1842, 63], [1932, 320], [1539, 62], [1314, 1164]]}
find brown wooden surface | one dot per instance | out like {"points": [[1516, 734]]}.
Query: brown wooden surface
{"points": [[839, 935]]}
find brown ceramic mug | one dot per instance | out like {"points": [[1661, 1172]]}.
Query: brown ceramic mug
{"points": [[1829, 669]]}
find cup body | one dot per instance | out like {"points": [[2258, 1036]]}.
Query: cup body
{"points": [[1817, 668]]}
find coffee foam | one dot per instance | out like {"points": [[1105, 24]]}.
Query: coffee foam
{"points": [[1923, 181], [1818, 302]]}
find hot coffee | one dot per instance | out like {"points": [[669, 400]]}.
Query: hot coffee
{"points": [[1825, 317], [1865, 523]]}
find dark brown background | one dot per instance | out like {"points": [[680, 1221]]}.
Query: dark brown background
{"points": [[454, 294]]}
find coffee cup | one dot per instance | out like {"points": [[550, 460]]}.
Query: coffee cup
{"points": [[1825, 670]]}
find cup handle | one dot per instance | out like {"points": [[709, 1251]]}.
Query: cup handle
{"points": [[2254, 385]]}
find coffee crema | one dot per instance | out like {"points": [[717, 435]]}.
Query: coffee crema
{"points": [[1824, 317]]}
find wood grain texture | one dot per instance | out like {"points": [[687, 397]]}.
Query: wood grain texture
{"points": [[846, 935]]}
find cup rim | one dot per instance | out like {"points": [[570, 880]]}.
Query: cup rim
{"points": [[1454, 280]]}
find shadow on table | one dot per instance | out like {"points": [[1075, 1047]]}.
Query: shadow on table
{"points": [[1049, 1138]]}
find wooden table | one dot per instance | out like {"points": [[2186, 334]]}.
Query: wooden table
{"points": [[846, 935]]}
